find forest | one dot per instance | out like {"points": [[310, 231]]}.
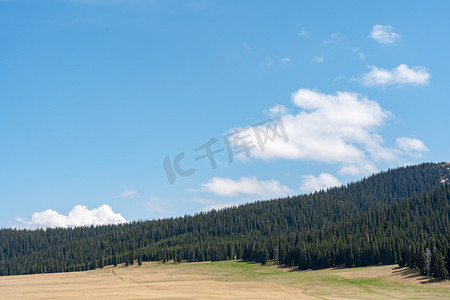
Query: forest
{"points": [[400, 216]]}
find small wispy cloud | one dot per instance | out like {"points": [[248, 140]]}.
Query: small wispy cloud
{"points": [[286, 60], [159, 200], [276, 110], [127, 194], [156, 204], [318, 59], [247, 47], [154, 207], [359, 53], [383, 34], [334, 37]]}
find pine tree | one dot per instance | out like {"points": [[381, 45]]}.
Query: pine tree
{"points": [[101, 262], [440, 269], [114, 260], [264, 257], [131, 258]]}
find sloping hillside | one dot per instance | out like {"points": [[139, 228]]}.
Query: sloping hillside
{"points": [[368, 222]]}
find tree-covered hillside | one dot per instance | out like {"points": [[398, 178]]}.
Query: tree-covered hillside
{"points": [[375, 220]]}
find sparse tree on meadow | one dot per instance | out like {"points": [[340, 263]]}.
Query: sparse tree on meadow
{"points": [[427, 261]]}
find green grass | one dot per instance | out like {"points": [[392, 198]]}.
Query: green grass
{"points": [[329, 283]]}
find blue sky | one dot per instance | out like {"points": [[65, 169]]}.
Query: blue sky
{"points": [[95, 95]]}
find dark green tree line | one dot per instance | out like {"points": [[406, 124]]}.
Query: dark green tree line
{"points": [[373, 221]]}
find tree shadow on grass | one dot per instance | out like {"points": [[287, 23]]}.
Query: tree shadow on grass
{"points": [[415, 274]]}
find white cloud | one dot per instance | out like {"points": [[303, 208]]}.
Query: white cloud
{"points": [[277, 110], [330, 128], [318, 59], [350, 169], [286, 60], [336, 129], [383, 34], [310, 183], [360, 54], [127, 194], [156, 204], [334, 37], [246, 186], [80, 215], [159, 200], [400, 75], [411, 146], [367, 167]]}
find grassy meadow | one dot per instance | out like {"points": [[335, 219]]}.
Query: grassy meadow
{"points": [[225, 280]]}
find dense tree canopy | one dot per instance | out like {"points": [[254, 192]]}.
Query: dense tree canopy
{"points": [[390, 217]]}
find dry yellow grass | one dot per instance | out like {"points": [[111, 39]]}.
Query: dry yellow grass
{"points": [[223, 280]]}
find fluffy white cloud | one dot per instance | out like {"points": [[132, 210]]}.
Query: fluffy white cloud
{"points": [[246, 186], [310, 183], [330, 128], [411, 146], [383, 34], [127, 194], [80, 215], [400, 75], [337, 129]]}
